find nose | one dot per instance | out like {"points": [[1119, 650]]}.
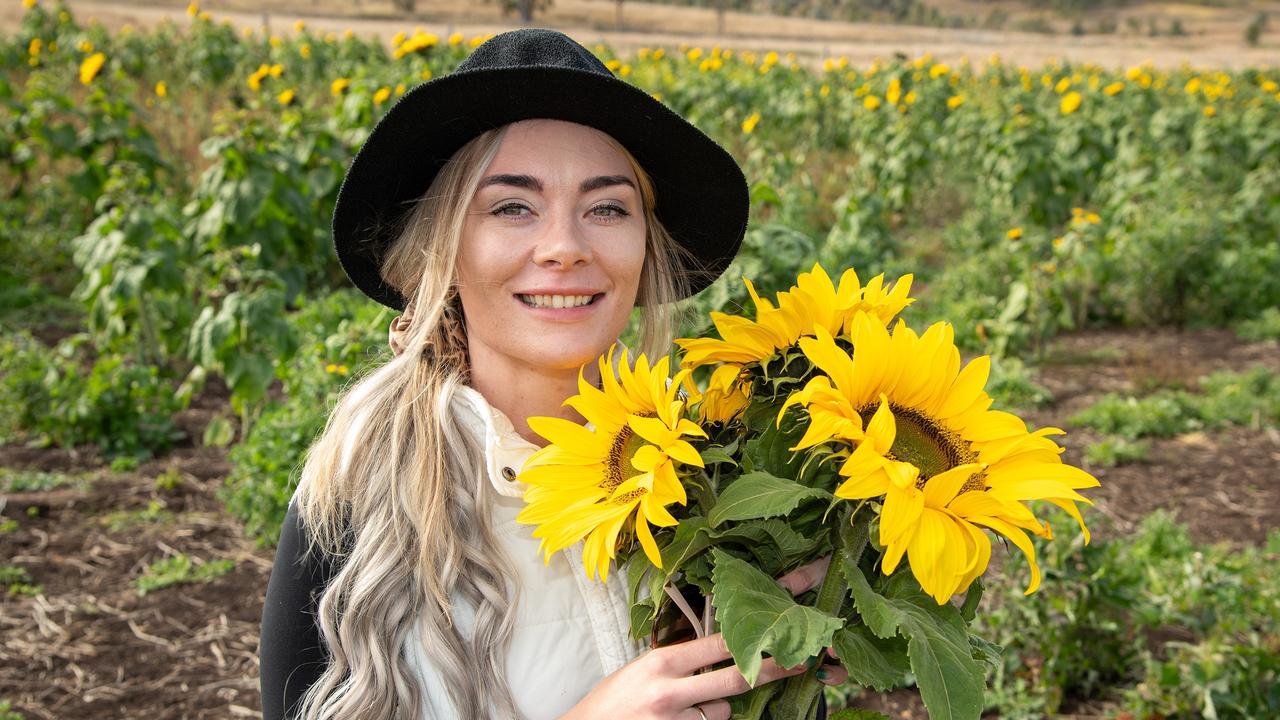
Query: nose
{"points": [[563, 243]]}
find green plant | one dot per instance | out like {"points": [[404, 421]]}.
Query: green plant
{"points": [[180, 569], [153, 513], [8, 525], [16, 481], [169, 480], [7, 712], [1253, 31], [1266, 326], [1112, 451], [17, 581], [1161, 415]]}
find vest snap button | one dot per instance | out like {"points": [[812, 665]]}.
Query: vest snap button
{"points": [[509, 474]]}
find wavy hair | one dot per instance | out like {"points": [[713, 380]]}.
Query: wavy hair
{"points": [[396, 474]]}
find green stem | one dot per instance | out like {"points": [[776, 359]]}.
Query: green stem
{"points": [[799, 697], [703, 492]]}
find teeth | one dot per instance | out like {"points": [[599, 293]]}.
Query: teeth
{"points": [[556, 301]]}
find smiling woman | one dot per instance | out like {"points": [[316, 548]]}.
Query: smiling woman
{"points": [[517, 224]]}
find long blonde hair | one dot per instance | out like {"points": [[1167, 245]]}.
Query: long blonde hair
{"points": [[396, 475]]}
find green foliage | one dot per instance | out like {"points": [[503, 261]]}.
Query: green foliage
{"points": [[1012, 385], [1112, 451], [153, 513], [179, 569], [1181, 625], [7, 712], [123, 407], [1250, 398], [339, 337], [1266, 326], [16, 481], [17, 582]]}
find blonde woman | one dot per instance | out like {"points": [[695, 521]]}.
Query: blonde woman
{"points": [[516, 210]]}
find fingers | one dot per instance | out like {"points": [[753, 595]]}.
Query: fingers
{"points": [[805, 577], [685, 658], [727, 682], [713, 710], [832, 674]]}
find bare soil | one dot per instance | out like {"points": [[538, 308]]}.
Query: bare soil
{"points": [[89, 645], [1214, 35]]}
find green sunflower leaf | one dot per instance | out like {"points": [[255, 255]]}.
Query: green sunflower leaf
{"points": [[871, 661], [758, 616], [880, 616], [951, 681], [760, 495]]}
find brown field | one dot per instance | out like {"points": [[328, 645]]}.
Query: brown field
{"points": [[1215, 35]]}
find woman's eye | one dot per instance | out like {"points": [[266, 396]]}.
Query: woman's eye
{"points": [[609, 211], [511, 210]]}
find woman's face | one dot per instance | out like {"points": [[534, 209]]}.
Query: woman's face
{"points": [[552, 249]]}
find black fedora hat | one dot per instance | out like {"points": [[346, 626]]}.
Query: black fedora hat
{"points": [[702, 196]]}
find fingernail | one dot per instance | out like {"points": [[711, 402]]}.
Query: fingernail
{"points": [[824, 674]]}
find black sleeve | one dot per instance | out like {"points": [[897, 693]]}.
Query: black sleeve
{"points": [[291, 652]]}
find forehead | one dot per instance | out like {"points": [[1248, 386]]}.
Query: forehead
{"points": [[552, 149]]}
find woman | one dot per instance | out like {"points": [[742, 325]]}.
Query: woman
{"points": [[517, 210]]}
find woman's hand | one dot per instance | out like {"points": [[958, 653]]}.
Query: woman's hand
{"points": [[664, 683]]}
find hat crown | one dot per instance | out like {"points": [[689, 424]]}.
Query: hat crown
{"points": [[532, 47]]}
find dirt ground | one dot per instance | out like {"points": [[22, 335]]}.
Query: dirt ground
{"points": [[1214, 35], [90, 646]]}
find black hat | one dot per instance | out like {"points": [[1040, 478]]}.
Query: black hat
{"points": [[702, 197]]}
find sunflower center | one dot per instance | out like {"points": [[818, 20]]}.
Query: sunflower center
{"points": [[927, 444], [618, 469]]}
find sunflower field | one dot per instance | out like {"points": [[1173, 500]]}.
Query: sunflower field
{"points": [[167, 194]]}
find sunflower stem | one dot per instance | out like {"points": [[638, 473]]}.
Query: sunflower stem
{"points": [[799, 697], [704, 492]]}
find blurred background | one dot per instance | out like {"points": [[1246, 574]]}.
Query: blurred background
{"points": [[1088, 191]]}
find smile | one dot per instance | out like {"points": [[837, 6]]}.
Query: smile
{"points": [[558, 301]]}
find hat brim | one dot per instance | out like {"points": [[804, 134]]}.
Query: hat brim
{"points": [[702, 196]]}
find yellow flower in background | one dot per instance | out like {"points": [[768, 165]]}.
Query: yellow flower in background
{"points": [[285, 97], [299, 26], [85, 46], [305, 51], [276, 70], [1014, 233], [1093, 218], [339, 86], [1062, 85], [274, 41], [920, 434], [28, 4], [1113, 88], [1270, 86], [90, 67], [1192, 86], [425, 74], [1070, 103], [33, 47], [617, 477], [814, 301], [955, 101], [1049, 267], [204, 16], [824, 91], [399, 88], [456, 39], [381, 95], [162, 89], [894, 93], [1210, 111], [939, 70], [726, 397], [193, 9], [871, 102], [749, 125]]}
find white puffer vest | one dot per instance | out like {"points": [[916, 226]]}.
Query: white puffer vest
{"points": [[570, 631]]}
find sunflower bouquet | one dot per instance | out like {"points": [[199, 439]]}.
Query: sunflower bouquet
{"points": [[825, 426]]}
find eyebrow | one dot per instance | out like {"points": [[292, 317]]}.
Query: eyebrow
{"points": [[532, 183]]}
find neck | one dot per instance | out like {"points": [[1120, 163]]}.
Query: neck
{"points": [[524, 391]]}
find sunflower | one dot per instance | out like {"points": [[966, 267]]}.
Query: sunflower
{"points": [[616, 476], [814, 301], [921, 435], [727, 395]]}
